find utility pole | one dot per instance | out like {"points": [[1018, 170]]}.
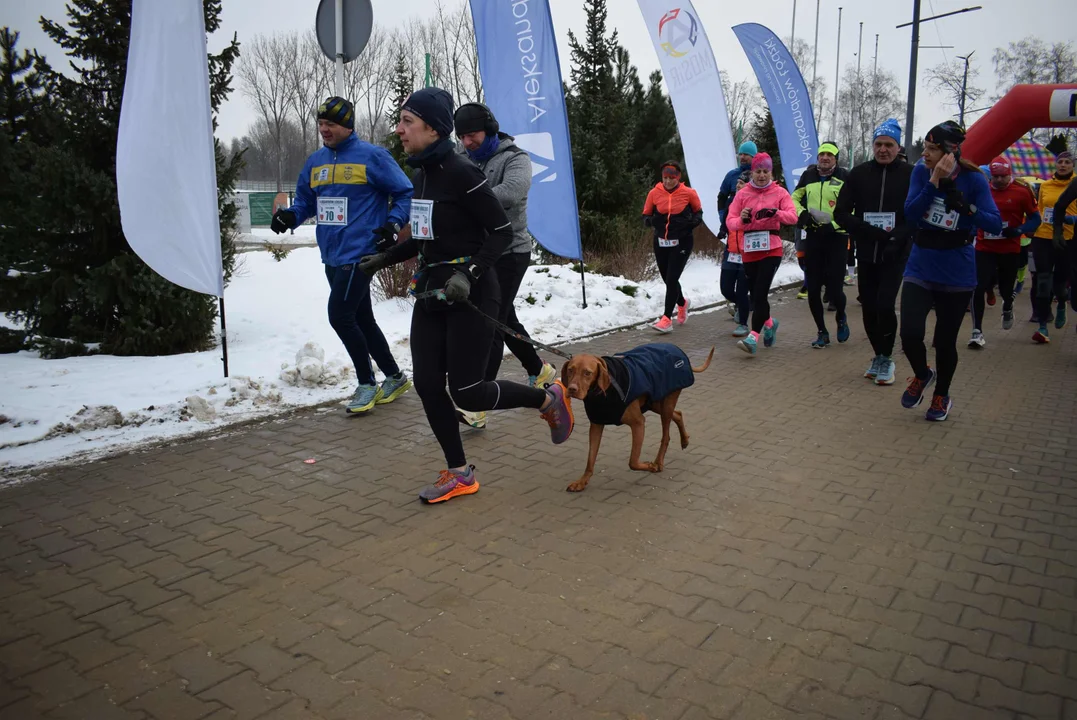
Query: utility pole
{"points": [[964, 88], [837, 79], [858, 111], [793, 30], [815, 62]]}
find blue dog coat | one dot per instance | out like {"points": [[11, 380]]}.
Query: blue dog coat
{"points": [[654, 370]]}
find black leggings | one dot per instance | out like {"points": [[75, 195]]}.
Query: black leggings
{"points": [[671, 262], [511, 269], [879, 284], [992, 268], [760, 275], [734, 286], [825, 256], [916, 303], [454, 341], [1052, 273]]}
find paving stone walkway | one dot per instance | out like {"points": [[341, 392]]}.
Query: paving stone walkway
{"points": [[817, 552]]}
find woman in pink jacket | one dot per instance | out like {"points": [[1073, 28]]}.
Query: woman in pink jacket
{"points": [[759, 210]]}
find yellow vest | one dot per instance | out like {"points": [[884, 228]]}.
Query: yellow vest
{"points": [[1050, 190]]}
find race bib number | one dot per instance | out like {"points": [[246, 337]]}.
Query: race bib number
{"points": [[668, 242], [735, 258], [881, 220], [1049, 215], [992, 236], [938, 216], [422, 219], [332, 211], [758, 241]]}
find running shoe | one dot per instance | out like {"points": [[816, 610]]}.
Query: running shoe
{"points": [[848, 280], [873, 369], [831, 307], [1041, 336], [364, 399], [914, 394], [843, 330], [664, 325], [822, 341], [770, 333], [740, 331], [450, 484], [749, 344], [886, 371], [802, 294], [991, 297], [1007, 319], [559, 413], [940, 408], [731, 308], [1060, 316], [682, 313], [546, 375], [393, 387], [476, 420], [977, 340]]}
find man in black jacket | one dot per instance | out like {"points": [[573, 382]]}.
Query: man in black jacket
{"points": [[871, 206]]}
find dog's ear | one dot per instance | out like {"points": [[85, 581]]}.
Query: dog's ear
{"points": [[564, 372], [603, 373]]}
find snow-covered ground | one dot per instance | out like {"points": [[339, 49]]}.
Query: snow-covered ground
{"points": [[56, 409]]}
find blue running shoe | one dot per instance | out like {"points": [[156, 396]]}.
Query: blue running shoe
{"points": [[914, 394], [940, 408], [822, 341], [393, 387], [1060, 315], [770, 334], [873, 369], [885, 375], [740, 331], [748, 345], [843, 330], [363, 400]]}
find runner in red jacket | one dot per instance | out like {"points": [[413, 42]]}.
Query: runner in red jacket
{"points": [[674, 211]]}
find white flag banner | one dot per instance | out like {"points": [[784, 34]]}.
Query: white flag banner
{"points": [[695, 88], [166, 178]]}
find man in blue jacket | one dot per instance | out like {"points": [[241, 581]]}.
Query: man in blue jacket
{"points": [[361, 199]]}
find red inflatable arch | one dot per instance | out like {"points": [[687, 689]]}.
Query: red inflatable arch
{"points": [[1021, 109]]}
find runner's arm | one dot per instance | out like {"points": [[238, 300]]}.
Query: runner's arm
{"points": [[384, 174], [787, 212], [987, 217], [921, 194], [516, 182], [843, 211], [305, 202], [481, 203], [732, 218], [1068, 196]]}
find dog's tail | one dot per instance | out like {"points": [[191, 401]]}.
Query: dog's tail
{"points": [[706, 364]]}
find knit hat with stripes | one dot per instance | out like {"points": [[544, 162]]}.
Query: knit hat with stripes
{"points": [[339, 111]]}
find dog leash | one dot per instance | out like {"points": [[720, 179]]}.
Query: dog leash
{"points": [[440, 295]]}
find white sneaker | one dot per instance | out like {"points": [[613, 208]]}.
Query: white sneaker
{"points": [[476, 420], [546, 375], [977, 340]]}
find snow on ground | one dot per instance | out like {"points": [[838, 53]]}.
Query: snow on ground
{"points": [[87, 406], [302, 235]]}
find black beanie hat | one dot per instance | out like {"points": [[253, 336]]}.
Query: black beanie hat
{"points": [[472, 117], [947, 134], [434, 107], [339, 111]]}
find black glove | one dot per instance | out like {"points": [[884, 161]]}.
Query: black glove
{"points": [[283, 221], [385, 236], [370, 264], [892, 249], [805, 220], [458, 288], [1011, 232], [723, 232], [955, 201], [766, 213]]}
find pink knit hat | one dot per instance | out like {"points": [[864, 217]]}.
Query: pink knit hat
{"points": [[762, 160]]}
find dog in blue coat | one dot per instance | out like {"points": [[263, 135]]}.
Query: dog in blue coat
{"points": [[618, 389]]}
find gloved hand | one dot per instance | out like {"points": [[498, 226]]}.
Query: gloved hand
{"points": [[648, 220], [370, 264], [805, 220], [1059, 240], [765, 213], [746, 215], [385, 236], [955, 201], [458, 288], [723, 232], [283, 221], [1011, 232], [892, 249]]}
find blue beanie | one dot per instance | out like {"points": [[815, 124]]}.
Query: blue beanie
{"points": [[747, 148], [889, 128], [433, 106]]}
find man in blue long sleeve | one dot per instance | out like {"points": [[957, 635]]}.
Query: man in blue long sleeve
{"points": [[361, 199]]}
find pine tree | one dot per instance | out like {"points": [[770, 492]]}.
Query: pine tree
{"points": [[75, 276], [656, 139], [766, 139], [401, 86]]}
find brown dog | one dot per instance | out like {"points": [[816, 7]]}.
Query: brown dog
{"points": [[650, 377]]}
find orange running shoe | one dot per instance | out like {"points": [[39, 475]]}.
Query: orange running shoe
{"points": [[450, 483]]}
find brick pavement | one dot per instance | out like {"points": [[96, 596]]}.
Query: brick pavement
{"points": [[817, 552]]}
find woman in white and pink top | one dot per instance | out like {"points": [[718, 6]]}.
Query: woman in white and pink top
{"points": [[759, 210]]}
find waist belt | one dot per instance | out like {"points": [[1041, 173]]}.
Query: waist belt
{"points": [[423, 267], [942, 239]]}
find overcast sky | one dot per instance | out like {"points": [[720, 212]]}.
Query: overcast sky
{"points": [[998, 23]]}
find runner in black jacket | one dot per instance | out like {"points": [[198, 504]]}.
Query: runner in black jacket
{"points": [[458, 230], [871, 207]]}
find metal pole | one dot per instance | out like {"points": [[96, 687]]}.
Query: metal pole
{"points": [[340, 47], [858, 112], [224, 336], [964, 88], [815, 62], [910, 107], [583, 281], [793, 30], [837, 79]]}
